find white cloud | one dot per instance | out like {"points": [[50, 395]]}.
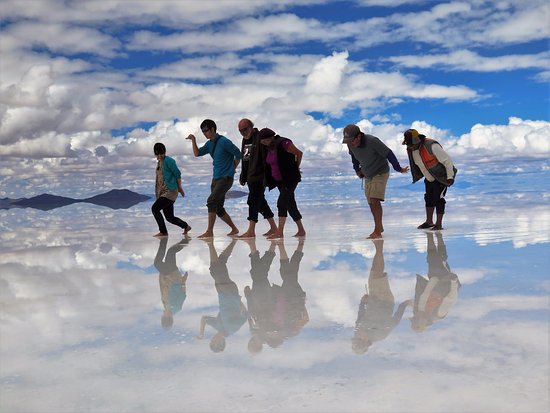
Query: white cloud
{"points": [[64, 84], [60, 38], [326, 75], [519, 137], [521, 25], [466, 60]]}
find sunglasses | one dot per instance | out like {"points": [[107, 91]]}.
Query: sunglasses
{"points": [[205, 130]]}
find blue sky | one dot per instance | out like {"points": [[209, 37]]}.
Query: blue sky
{"points": [[87, 88]]}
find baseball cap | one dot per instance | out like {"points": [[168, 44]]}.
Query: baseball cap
{"points": [[410, 137], [350, 132]]}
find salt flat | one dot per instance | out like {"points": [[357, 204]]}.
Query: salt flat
{"points": [[421, 322]]}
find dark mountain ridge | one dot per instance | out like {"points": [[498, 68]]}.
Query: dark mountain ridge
{"points": [[114, 199]]}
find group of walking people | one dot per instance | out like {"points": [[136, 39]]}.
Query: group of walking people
{"points": [[272, 161]]}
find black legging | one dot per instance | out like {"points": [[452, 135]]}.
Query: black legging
{"points": [[167, 206], [286, 203]]}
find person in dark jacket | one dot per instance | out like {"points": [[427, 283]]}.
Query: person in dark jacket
{"points": [[283, 171], [428, 159], [253, 175]]}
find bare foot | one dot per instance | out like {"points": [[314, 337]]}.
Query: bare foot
{"points": [[186, 230], [233, 232], [160, 235], [247, 235], [207, 234], [275, 235], [300, 234], [375, 235], [268, 233]]}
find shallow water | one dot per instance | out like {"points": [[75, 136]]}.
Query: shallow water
{"points": [[345, 325]]}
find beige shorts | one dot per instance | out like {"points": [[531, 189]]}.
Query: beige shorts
{"points": [[375, 187], [379, 286]]}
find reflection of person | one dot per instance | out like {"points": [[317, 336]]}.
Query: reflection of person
{"points": [[226, 156], [370, 156], [167, 186], [232, 312], [259, 297], [253, 174], [429, 160], [283, 171], [275, 312], [434, 297], [375, 319], [172, 283], [290, 299]]}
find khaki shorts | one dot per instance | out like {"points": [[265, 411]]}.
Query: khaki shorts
{"points": [[375, 187], [379, 286]]}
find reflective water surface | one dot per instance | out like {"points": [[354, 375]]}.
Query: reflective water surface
{"points": [[103, 317]]}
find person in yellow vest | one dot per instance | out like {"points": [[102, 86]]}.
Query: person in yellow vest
{"points": [[428, 159]]}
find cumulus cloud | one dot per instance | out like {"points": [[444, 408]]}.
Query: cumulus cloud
{"points": [[518, 137], [69, 78]]}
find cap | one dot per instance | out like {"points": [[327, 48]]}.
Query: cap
{"points": [[411, 137], [266, 133], [350, 132]]}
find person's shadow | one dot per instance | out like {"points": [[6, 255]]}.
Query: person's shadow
{"points": [[276, 312], [435, 295], [232, 312], [375, 318], [173, 290]]}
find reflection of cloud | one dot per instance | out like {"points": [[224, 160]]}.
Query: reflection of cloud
{"points": [[522, 227], [75, 330], [480, 307]]}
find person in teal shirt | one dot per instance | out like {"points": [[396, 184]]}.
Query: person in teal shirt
{"points": [[167, 187], [225, 158]]}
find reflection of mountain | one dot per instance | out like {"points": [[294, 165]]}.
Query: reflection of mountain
{"points": [[114, 199], [117, 199]]}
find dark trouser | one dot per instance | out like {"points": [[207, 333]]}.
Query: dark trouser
{"points": [[167, 265], [218, 189], [257, 202], [286, 203], [434, 196], [165, 205]]}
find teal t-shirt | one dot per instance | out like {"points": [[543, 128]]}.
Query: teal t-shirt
{"points": [[223, 153]]}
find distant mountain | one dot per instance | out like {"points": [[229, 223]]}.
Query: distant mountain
{"points": [[114, 199], [44, 202]]}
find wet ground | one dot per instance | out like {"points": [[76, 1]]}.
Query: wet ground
{"points": [[99, 316]]}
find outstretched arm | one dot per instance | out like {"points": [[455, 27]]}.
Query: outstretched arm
{"points": [[193, 140], [395, 163], [204, 319], [400, 311]]}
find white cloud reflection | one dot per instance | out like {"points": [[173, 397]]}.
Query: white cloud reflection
{"points": [[82, 316]]}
